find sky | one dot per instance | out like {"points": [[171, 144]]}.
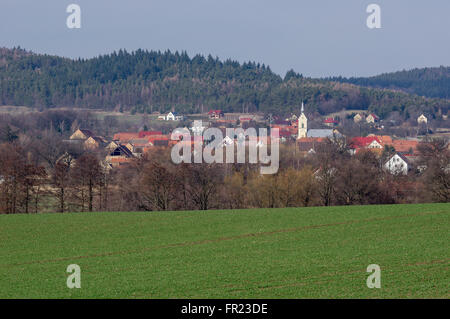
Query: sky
{"points": [[317, 38]]}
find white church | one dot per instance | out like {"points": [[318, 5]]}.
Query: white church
{"points": [[303, 128]]}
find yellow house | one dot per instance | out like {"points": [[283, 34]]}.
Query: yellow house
{"points": [[422, 119], [81, 134], [357, 118], [371, 118], [94, 142]]}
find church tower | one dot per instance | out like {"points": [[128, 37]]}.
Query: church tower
{"points": [[302, 124]]}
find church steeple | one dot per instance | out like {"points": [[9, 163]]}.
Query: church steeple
{"points": [[302, 123]]}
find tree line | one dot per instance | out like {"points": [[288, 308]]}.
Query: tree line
{"points": [[148, 81], [29, 183], [430, 82]]}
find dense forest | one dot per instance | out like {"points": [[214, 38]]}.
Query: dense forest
{"points": [[149, 81], [429, 82]]}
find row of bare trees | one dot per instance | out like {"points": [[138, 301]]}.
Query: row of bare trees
{"points": [[331, 176]]}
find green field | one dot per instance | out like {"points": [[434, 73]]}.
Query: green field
{"points": [[262, 253]]}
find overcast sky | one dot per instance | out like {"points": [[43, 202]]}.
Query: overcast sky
{"points": [[313, 37]]}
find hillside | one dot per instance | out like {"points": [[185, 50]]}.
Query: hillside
{"points": [[147, 81], [261, 253], [429, 82]]}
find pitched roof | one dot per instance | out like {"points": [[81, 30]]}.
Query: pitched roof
{"points": [[88, 133], [123, 150], [361, 142], [307, 143], [148, 133], [319, 133]]}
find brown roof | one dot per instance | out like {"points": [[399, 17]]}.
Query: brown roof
{"points": [[88, 133], [308, 143], [125, 136], [404, 146], [122, 150]]}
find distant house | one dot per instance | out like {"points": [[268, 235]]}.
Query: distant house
{"points": [[111, 146], [137, 146], [171, 116], [215, 114], [372, 118], [174, 116], [125, 137], [119, 156], [397, 164], [94, 142], [308, 145], [81, 134], [369, 142], [330, 122], [422, 119], [357, 118]]}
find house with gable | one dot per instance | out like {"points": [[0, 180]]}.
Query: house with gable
{"points": [[422, 119], [398, 164], [372, 118], [215, 114], [81, 134]]}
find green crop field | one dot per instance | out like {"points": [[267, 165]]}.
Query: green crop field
{"points": [[261, 253]]}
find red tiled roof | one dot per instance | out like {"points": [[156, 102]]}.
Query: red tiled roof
{"points": [[148, 133], [330, 120], [359, 142], [404, 145], [125, 136]]}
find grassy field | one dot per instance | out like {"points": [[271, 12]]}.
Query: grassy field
{"points": [[265, 253]]}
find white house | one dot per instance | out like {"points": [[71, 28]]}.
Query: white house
{"points": [[171, 116], [374, 144], [422, 119], [397, 164]]}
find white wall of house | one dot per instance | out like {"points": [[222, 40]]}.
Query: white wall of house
{"points": [[396, 165]]}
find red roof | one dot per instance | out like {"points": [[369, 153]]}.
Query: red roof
{"points": [[125, 136], [330, 120], [284, 133], [149, 133], [215, 112], [359, 142]]}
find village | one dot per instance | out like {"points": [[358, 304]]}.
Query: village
{"points": [[123, 147]]}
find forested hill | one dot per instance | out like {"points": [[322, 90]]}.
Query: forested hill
{"points": [[430, 82], [147, 81]]}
